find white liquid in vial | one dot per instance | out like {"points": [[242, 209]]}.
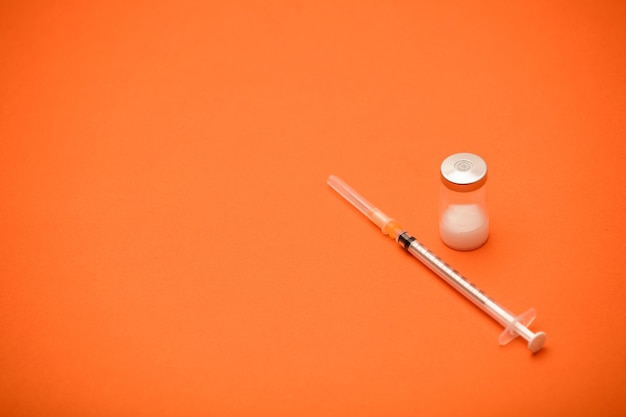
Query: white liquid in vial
{"points": [[464, 226]]}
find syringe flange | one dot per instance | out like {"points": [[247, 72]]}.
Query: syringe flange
{"points": [[519, 327]]}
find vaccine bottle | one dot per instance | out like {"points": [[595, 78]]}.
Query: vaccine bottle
{"points": [[463, 214]]}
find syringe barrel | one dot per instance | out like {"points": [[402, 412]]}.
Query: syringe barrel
{"points": [[459, 282], [513, 325]]}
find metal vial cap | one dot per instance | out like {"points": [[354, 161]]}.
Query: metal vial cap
{"points": [[463, 172]]}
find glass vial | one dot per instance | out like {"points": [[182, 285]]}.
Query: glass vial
{"points": [[463, 215]]}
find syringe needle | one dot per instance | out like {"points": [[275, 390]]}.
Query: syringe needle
{"points": [[513, 325]]}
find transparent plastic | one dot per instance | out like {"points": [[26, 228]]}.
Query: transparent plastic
{"points": [[519, 326], [514, 326], [386, 223], [350, 195]]}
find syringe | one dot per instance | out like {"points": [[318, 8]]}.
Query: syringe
{"points": [[513, 325]]}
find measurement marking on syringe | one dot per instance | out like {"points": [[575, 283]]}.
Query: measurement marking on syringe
{"points": [[449, 274]]}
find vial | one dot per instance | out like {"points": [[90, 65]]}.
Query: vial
{"points": [[463, 215]]}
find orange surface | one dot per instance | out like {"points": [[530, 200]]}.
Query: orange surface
{"points": [[169, 246]]}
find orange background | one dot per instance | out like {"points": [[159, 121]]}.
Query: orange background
{"points": [[169, 246]]}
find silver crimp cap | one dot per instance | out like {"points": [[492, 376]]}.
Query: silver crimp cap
{"points": [[463, 172]]}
